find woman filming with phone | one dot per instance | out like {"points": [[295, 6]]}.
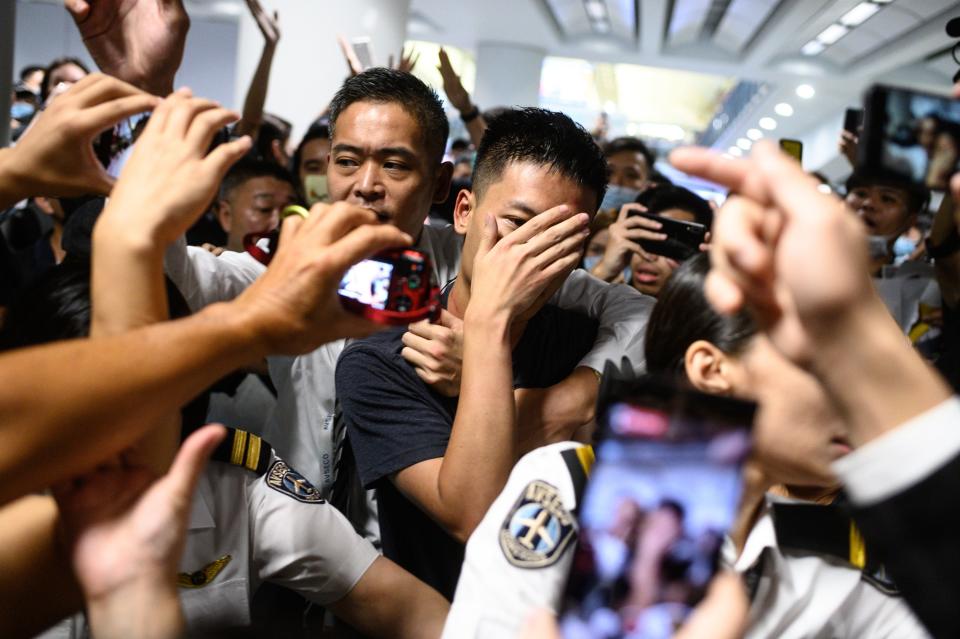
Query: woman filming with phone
{"points": [[805, 566]]}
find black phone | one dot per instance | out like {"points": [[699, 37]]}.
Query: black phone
{"points": [[910, 135], [853, 120], [683, 238], [793, 148], [663, 492]]}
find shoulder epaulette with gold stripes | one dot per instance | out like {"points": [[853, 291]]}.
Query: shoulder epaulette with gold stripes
{"points": [[579, 462], [241, 448]]}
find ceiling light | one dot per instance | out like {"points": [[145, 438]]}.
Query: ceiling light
{"points": [[744, 144], [596, 9], [859, 14], [768, 123], [832, 33], [754, 134], [806, 91], [735, 151], [814, 47], [882, 1], [784, 109]]}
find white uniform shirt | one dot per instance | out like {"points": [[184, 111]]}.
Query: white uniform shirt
{"points": [[814, 597], [246, 529], [510, 569], [301, 428]]}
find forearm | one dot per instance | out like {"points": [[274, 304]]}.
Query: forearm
{"points": [[483, 442], [12, 185], [873, 376], [147, 609], [256, 95], [115, 387], [37, 586], [556, 414], [476, 128]]}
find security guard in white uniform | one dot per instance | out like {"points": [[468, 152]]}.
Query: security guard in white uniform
{"points": [[518, 558], [811, 576], [255, 520]]}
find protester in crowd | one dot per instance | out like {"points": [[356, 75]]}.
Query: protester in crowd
{"points": [[251, 198], [538, 179], [823, 314], [309, 163], [631, 164], [31, 76], [459, 99], [62, 72], [792, 537]]}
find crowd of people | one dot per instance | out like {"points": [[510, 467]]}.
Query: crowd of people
{"points": [[200, 440]]}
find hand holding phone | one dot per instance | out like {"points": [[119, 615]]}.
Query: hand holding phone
{"points": [[683, 239]]}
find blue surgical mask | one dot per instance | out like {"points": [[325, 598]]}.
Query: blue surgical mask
{"points": [[617, 196], [21, 110], [903, 247], [590, 261]]}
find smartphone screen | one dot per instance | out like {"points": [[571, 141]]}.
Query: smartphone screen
{"points": [[853, 120], [913, 135], [793, 148], [368, 282], [362, 49], [662, 494]]}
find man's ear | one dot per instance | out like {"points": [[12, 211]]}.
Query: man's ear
{"points": [[462, 210], [444, 178], [224, 216], [708, 368]]}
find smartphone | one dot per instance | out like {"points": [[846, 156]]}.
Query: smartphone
{"points": [[683, 238], [662, 494], [853, 120], [793, 148], [393, 287], [910, 135], [364, 52]]}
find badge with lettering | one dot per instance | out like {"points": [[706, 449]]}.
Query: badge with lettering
{"points": [[538, 528], [284, 479], [202, 577]]}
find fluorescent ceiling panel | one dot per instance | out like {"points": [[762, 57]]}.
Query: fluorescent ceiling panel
{"points": [[743, 20]]}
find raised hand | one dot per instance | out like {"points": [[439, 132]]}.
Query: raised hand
{"points": [[625, 234], [171, 178], [269, 25], [456, 94], [436, 352], [349, 55], [125, 533], [407, 62], [138, 41], [55, 157]]}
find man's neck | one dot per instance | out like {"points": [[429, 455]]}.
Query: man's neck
{"points": [[459, 299]]}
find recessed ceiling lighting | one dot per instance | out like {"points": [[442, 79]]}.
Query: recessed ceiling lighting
{"points": [[735, 151], [784, 109], [883, 1], [744, 144], [832, 33], [754, 134], [859, 14], [806, 91], [596, 9], [814, 47], [768, 123]]}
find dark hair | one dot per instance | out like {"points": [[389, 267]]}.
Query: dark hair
{"points": [[45, 88], [315, 132], [459, 145], [246, 169], [381, 85], [632, 144], [918, 195], [683, 315], [57, 307], [272, 129], [665, 197], [541, 137], [29, 70], [675, 506]]}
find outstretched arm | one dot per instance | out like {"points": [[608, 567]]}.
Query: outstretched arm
{"points": [[257, 93], [460, 99]]}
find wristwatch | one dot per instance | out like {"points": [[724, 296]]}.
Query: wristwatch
{"points": [[470, 115]]}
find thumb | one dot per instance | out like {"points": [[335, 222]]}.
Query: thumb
{"points": [[191, 460], [79, 9], [488, 239]]}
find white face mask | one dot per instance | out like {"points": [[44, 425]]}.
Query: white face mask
{"points": [[315, 189]]}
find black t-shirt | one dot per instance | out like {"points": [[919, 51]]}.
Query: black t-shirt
{"points": [[394, 420]]}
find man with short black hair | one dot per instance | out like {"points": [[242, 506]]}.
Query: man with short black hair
{"points": [[251, 198], [631, 165], [438, 462]]}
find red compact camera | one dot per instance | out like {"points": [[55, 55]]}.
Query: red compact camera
{"points": [[395, 287]]}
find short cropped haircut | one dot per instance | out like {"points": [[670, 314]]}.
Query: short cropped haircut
{"points": [[632, 144], [246, 169], [317, 131], [918, 195], [665, 197], [543, 138], [386, 86], [29, 70]]}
